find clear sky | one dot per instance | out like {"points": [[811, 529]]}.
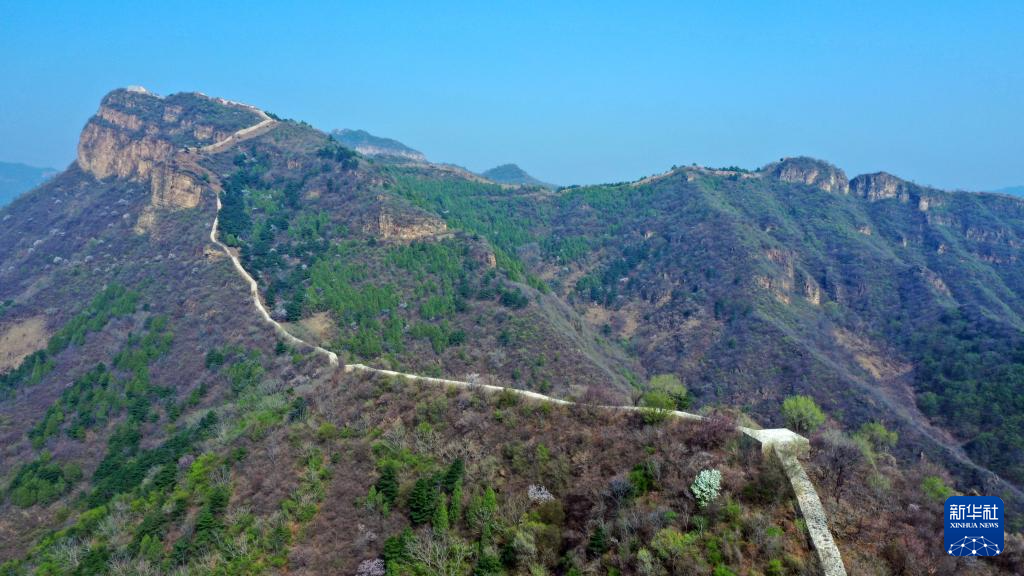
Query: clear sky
{"points": [[574, 92]]}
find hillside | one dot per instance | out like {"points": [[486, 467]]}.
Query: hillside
{"points": [[152, 421], [873, 295], [513, 174], [17, 178]]}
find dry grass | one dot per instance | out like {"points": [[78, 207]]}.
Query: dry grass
{"points": [[19, 339]]}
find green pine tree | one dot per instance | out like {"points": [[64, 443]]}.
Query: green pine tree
{"points": [[455, 510], [440, 519], [598, 543], [453, 475], [422, 501], [387, 485]]}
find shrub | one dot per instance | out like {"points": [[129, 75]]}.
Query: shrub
{"points": [[214, 359], [775, 568], [658, 399], [642, 478], [706, 487], [598, 543], [671, 544], [42, 481], [645, 563], [876, 434], [936, 489], [673, 387], [714, 431], [327, 432], [839, 458], [802, 413]]}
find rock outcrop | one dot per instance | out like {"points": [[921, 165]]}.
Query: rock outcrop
{"points": [[881, 186], [391, 228], [141, 137], [885, 186], [809, 171]]}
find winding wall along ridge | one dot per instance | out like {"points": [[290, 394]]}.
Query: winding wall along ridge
{"points": [[783, 444]]}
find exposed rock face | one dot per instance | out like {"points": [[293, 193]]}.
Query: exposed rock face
{"points": [[112, 150], [390, 226], [880, 186], [811, 290], [884, 186], [482, 253], [780, 284], [811, 172], [788, 279], [144, 138]]}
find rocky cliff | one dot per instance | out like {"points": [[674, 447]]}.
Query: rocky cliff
{"points": [[809, 171], [141, 137]]}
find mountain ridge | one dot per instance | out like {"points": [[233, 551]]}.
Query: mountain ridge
{"points": [[744, 287]]}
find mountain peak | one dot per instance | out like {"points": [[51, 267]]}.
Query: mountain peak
{"points": [[513, 174], [142, 137], [810, 171]]}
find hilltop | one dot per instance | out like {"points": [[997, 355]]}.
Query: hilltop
{"points": [[152, 420], [513, 174], [369, 145]]}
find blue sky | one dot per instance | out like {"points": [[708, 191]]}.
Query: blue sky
{"points": [[574, 92]]}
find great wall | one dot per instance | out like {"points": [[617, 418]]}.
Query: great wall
{"points": [[780, 444]]}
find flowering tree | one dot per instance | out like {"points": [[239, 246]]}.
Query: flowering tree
{"points": [[706, 487]]}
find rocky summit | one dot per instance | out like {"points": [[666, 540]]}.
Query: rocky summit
{"points": [[234, 344]]}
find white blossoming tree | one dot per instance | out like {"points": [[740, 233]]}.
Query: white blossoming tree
{"points": [[706, 487]]}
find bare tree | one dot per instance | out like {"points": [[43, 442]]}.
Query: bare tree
{"points": [[838, 457], [442, 554]]}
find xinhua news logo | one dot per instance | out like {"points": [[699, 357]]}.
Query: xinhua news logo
{"points": [[974, 526]]}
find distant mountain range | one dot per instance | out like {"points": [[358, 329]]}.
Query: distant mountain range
{"points": [[513, 174], [390, 149], [17, 178], [369, 145], [1012, 190]]}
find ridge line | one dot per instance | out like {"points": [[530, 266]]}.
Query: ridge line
{"points": [[783, 443]]}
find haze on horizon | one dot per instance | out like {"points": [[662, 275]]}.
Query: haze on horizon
{"points": [[929, 91]]}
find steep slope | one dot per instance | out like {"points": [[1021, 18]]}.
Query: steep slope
{"points": [[17, 178], [874, 296], [513, 174], [376, 279]]}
